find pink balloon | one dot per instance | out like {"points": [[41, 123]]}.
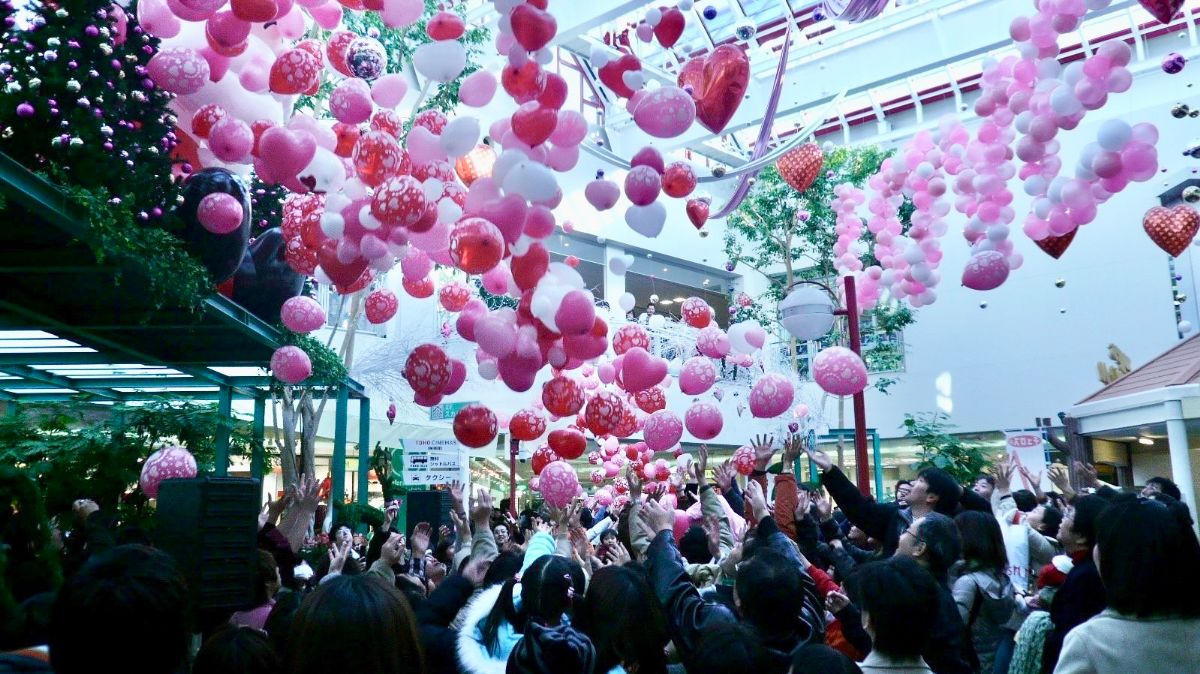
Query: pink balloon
{"points": [[178, 70], [576, 313], [423, 146], [986, 270], [401, 13], [350, 101], [602, 194], [291, 364], [231, 140], [477, 89], [389, 90], [497, 280], [607, 373], [570, 130], [220, 213], [697, 376], [327, 15], [496, 333], [642, 185], [157, 19], [666, 112], [704, 421], [771, 396], [713, 342], [839, 371], [663, 430], [458, 375], [539, 223], [558, 483], [562, 159], [640, 370], [168, 463], [302, 314]]}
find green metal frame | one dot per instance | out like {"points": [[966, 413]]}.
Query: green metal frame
{"points": [[848, 434]]}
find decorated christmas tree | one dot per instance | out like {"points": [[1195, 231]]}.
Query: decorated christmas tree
{"points": [[77, 105]]}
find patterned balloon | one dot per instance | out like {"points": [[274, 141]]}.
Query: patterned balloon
{"points": [[771, 396], [628, 336], [475, 426], [629, 423], [697, 376], [713, 342], [839, 371], [704, 421], [302, 314], [562, 396], [696, 312], [377, 157], [604, 412], [743, 460], [291, 364], [366, 58], [663, 430], [801, 166], [986, 270], [558, 484], [398, 200], [527, 425], [454, 296], [1172, 229], [178, 70], [542, 457], [651, 400], [381, 306], [168, 463], [427, 369]]}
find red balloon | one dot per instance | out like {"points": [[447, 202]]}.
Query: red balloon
{"points": [[388, 122], [347, 138], [533, 28], [458, 375], [342, 275], [679, 180], [377, 157], [295, 71], [205, 118], [476, 245], [651, 400], [427, 369], [399, 201], [555, 93], [568, 443], [562, 396], [381, 306], [364, 280], [628, 425], [434, 120], [718, 83], [454, 296], [254, 11], [445, 26], [533, 123], [613, 74], [696, 312], [335, 51], [542, 457], [523, 83], [629, 336], [604, 413], [529, 268], [420, 289], [475, 426], [800, 167], [527, 425]]}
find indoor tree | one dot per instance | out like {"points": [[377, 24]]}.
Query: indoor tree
{"points": [[963, 459]]}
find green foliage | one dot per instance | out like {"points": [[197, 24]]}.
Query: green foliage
{"points": [[30, 563], [939, 449], [493, 302], [327, 366], [80, 450]]}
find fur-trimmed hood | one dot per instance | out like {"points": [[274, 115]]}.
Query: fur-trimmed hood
{"points": [[473, 656]]}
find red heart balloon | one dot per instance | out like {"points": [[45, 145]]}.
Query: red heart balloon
{"points": [[254, 11], [1163, 10], [697, 212], [613, 74], [800, 167], [340, 274], [446, 26], [718, 83], [532, 27], [533, 123], [670, 27], [524, 83], [555, 92], [1172, 229], [1055, 246]]}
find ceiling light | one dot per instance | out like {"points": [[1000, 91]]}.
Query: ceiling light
{"points": [[665, 269], [679, 299], [705, 281], [1145, 441], [667, 302]]}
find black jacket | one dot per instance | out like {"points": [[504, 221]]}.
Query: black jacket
{"points": [[1079, 599], [434, 616], [948, 648]]}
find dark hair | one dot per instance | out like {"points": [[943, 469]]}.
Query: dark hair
{"points": [[694, 545], [504, 566], [279, 620], [608, 533], [237, 650], [444, 552], [901, 600], [1148, 559], [1166, 486], [941, 543], [1087, 509], [624, 620], [986, 478], [941, 483], [728, 648], [900, 482], [1025, 500], [1051, 519], [267, 570], [823, 659], [771, 591], [548, 588], [135, 600], [354, 624], [982, 541]]}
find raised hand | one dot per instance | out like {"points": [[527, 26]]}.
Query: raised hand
{"points": [[702, 466], [456, 496], [389, 516], [836, 601], [712, 535], [763, 446], [819, 457], [824, 506], [420, 538], [1087, 474], [481, 510], [444, 532], [634, 481], [337, 557], [792, 449], [757, 500], [393, 549], [803, 501], [723, 476], [308, 493], [1060, 479], [655, 518]]}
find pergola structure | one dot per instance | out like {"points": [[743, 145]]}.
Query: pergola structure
{"points": [[70, 328]]}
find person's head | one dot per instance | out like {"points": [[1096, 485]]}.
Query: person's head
{"points": [[279, 620], [504, 566], [624, 620], [984, 485], [130, 599], [1078, 529], [1148, 555], [342, 535], [354, 624], [1161, 485], [769, 592], [902, 489], [1024, 500], [651, 310], [934, 490], [728, 648], [982, 541], [237, 650], [609, 537], [823, 659], [444, 552], [694, 545], [1045, 520], [268, 578], [501, 534], [899, 603], [932, 541], [858, 537], [549, 589]]}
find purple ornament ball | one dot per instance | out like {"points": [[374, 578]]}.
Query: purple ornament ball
{"points": [[25, 110], [1173, 63]]}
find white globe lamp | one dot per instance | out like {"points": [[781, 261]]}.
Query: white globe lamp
{"points": [[807, 312]]}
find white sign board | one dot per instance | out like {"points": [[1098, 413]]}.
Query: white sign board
{"points": [[429, 462], [1028, 449]]}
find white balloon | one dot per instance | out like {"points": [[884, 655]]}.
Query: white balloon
{"points": [[488, 369], [354, 189], [647, 220], [565, 275], [617, 265], [336, 202], [448, 211], [653, 16], [1114, 134], [368, 221], [333, 225], [657, 321], [531, 180], [634, 79], [599, 57], [1185, 327], [460, 136], [522, 245], [324, 173], [504, 163], [440, 61], [433, 189], [544, 56], [627, 302]]}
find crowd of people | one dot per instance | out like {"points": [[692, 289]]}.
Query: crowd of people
{"points": [[769, 576]]}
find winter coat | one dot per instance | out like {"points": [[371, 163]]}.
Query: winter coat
{"points": [[985, 604], [1080, 597], [1113, 643]]}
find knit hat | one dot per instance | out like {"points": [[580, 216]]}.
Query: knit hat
{"points": [[552, 650]]}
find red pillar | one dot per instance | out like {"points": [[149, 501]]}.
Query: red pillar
{"points": [[514, 447], [862, 470]]}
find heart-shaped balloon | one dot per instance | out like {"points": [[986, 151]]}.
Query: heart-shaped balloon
{"points": [[670, 27], [342, 274], [533, 28], [800, 167], [640, 370], [1172, 229], [1163, 10], [286, 152], [697, 212], [533, 123], [1055, 246], [602, 194], [718, 84], [647, 220], [612, 74]]}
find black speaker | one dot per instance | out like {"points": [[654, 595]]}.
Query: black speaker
{"points": [[427, 506], [210, 526]]}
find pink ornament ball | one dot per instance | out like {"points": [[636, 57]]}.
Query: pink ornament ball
{"points": [[986, 271], [558, 483], [381, 306], [302, 315], [219, 213], [743, 460], [704, 421], [663, 430], [291, 364], [168, 463], [839, 371], [771, 396]]}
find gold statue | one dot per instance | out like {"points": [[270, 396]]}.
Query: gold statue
{"points": [[1121, 365]]}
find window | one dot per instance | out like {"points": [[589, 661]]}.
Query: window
{"points": [[882, 352]]}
